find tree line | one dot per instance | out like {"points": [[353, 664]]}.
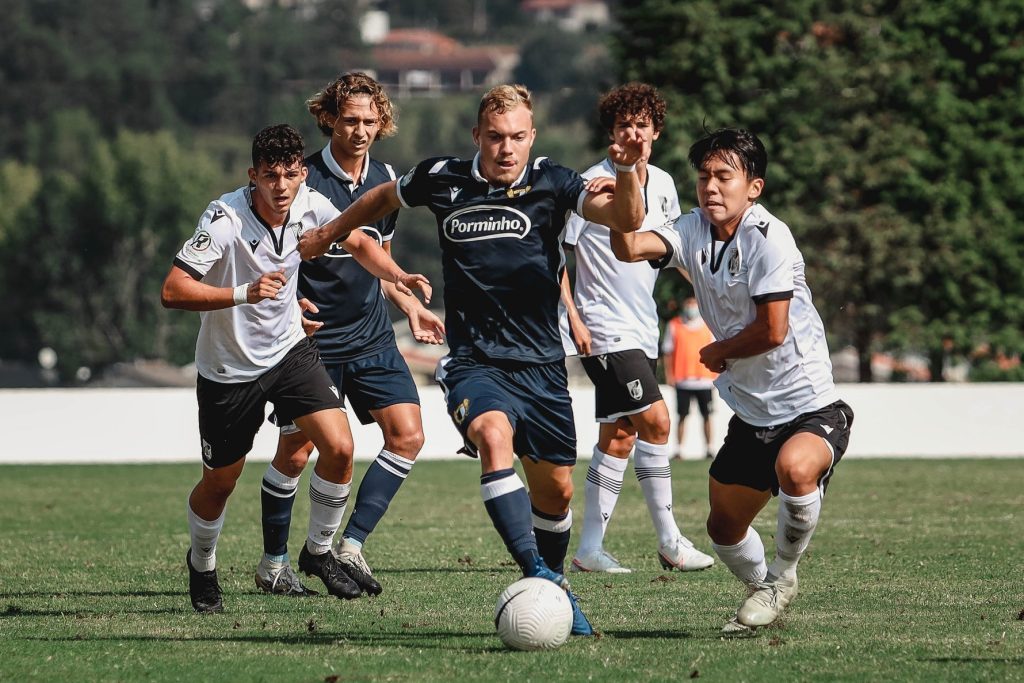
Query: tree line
{"points": [[894, 131]]}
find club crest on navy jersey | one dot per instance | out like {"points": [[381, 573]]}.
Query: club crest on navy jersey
{"points": [[514, 192], [486, 222]]}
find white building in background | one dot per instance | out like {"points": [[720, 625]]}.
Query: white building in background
{"points": [[570, 15]]}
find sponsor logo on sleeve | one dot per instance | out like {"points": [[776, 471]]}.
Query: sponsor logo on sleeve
{"points": [[486, 222], [201, 241]]}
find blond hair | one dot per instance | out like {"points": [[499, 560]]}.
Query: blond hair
{"points": [[503, 98], [326, 104]]}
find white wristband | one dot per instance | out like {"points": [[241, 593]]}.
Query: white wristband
{"points": [[622, 168], [241, 294]]}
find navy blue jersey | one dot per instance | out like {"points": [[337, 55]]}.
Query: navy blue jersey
{"points": [[353, 311], [501, 254]]}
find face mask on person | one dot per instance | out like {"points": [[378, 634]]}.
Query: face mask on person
{"points": [[690, 313]]}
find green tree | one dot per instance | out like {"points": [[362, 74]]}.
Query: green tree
{"points": [[106, 224], [894, 155]]}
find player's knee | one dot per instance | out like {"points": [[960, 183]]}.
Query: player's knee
{"points": [[554, 500], [796, 474], [337, 449], [406, 444], [724, 531], [489, 436], [292, 460], [620, 446]]}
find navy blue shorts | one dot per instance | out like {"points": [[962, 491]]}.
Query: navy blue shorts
{"points": [[535, 398], [371, 383]]}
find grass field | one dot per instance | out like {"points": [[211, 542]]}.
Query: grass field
{"points": [[916, 573]]}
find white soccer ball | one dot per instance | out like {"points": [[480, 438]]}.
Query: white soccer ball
{"points": [[533, 614]]}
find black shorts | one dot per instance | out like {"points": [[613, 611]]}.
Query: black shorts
{"points": [[231, 414], [535, 398], [748, 455], [701, 396], [624, 383], [370, 383]]}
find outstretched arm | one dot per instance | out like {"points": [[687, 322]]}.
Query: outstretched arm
{"points": [[637, 246], [371, 207], [767, 330], [623, 210], [373, 258]]}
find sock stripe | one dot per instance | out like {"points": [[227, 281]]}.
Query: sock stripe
{"points": [[395, 463], [326, 500], [278, 491], [649, 472], [391, 469], [605, 482]]}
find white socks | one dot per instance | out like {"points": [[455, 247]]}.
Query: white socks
{"points": [[798, 516], [655, 477], [601, 492], [204, 535], [327, 502], [745, 559]]}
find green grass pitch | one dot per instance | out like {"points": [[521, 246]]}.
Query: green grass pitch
{"points": [[916, 573]]}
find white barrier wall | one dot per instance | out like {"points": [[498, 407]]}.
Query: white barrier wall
{"points": [[160, 425]]}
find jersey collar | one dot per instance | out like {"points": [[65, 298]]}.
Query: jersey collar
{"points": [[490, 188], [337, 170]]}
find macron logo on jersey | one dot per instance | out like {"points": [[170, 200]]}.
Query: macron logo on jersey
{"points": [[486, 222]]}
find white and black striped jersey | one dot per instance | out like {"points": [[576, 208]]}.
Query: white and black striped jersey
{"points": [[614, 298], [759, 263], [501, 251], [352, 308], [233, 245]]}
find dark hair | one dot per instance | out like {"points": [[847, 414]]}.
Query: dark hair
{"points": [[632, 100], [280, 144], [727, 143], [327, 103]]}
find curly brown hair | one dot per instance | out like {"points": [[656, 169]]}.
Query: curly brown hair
{"points": [[280, 144], [638, 100], [326, 104]]}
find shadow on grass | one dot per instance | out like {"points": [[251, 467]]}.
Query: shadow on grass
{"points": [[434, 640], [15, 611], [973, 660], [90, 594]]}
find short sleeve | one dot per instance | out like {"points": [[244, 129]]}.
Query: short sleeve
{"points": [[323, 208], [669, 234], [574, 228], [416, 187], [770, 270], [209, 242], [568, 186]]}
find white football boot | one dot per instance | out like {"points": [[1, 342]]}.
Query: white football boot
{"points": [[680, 554], [768, 601], [598, 560]]}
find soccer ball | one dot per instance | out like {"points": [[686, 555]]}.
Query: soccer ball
{"points": [[533, 614]]}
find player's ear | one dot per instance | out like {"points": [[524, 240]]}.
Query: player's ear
{"points": [[476, 135], [303, 172], [755, 188], [252, 175]]}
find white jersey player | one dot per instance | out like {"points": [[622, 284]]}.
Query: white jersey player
{"points": [[238, 270], [616, 330], [790, 428]]}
